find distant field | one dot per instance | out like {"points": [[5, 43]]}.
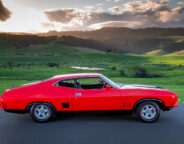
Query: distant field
{"points": [[27, 68]]}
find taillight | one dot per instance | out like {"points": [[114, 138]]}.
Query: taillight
{"points": [[3, 105]]}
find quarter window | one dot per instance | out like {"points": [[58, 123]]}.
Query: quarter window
{"points": [[65, 83]]}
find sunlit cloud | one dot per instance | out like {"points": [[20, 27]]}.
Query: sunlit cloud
{"points": [[99, 10], [175, 15], [48, 25], [115, 24], [62, 15], [117, 0], [116, 9], [150, 5], [180, 2], [113, 1]]}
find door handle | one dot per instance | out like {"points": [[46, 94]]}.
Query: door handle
{"points": [[78, 94]]}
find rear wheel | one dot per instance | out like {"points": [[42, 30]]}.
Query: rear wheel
{"points": [[148, 111], [41, 112]]}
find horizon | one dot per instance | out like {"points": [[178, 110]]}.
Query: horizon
{"points": [[31, 16], [25, 33]]}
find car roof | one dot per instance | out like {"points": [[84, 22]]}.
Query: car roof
{"points": [[77, 75]]}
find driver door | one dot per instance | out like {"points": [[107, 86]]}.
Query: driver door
{"points": [[95, 99]]}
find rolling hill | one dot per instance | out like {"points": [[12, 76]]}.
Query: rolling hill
{"points": [[150, 41], [137, 41], [33, 45]]}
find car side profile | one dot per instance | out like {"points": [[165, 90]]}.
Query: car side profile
{"points": [[86, 92]]}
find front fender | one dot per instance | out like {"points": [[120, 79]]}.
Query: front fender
{"points": [[158, 101]]}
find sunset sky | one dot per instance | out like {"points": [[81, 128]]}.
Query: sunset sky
{"points": [[61, 15]]}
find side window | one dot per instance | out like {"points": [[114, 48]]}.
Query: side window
{"points": [[90, 83], [66, 83]]}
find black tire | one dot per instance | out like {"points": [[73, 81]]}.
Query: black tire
{"points": [[42, 112], [148, 111]]}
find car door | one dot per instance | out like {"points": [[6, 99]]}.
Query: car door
{"points": [[96, 99]]}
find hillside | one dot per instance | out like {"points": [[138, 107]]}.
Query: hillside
{"points": [[125, 40], [33, 45], [116, 32], [150, 41]]}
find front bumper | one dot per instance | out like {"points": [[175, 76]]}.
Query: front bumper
{"points": [[174, 105], [171, 107]]}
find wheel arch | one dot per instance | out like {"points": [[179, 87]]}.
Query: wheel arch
{"points": [[158, 101], [28, 107]]}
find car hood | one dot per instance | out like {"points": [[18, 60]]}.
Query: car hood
{"points": [[138, 86]]}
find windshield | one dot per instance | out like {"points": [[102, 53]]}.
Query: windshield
{"points": [[110, 82]]}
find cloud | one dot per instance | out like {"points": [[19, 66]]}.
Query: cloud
{"points": [[47, 25], [180, 2], [175, 15], [164, 1], [100, 10], [116, 9], [134, 14], [99, 4], [62, 15], [117, 0], [4, 12], [150, 5], [113, 1], [84, 17], [115, 24]]}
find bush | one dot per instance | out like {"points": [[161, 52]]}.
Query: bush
{"points": [[109, 50], [137, 72], [114, 68], [10, 64], [53, 64], [122, 72]]}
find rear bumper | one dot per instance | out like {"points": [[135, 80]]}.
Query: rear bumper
{"points": [[1, 104], [15, 111]]}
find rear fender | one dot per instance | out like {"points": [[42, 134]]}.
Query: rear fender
{"points": [[28, 107]]}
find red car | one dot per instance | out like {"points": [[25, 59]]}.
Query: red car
{"points": [[86, 92]]}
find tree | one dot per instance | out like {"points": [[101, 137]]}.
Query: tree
{"points": [[10, 64], [137, 72]]}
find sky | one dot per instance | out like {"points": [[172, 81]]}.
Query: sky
{"points": [[36, 16]]}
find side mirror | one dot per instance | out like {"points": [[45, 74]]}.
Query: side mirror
{"points": [[108, 87]]}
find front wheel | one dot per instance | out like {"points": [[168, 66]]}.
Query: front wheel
{"points": [[41, 112], [148, 111]]}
